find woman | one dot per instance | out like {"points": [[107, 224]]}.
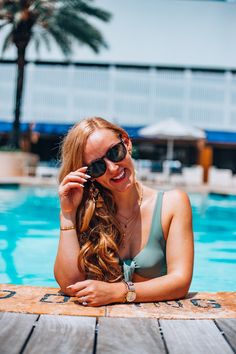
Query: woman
{"points": [[120, 241]]}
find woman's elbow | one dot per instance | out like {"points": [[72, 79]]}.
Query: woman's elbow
{"points": [[183, 293], [63, 285], [66, 291], [183, 286], [64, 279], [60, 279]]}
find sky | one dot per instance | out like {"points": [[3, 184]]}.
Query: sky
{"points": [[161, 32]]}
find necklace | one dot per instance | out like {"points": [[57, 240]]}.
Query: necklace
{"points": [[126, 221], [128, 224]]}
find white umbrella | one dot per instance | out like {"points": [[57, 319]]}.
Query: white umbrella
{"points": [[170, 129]]}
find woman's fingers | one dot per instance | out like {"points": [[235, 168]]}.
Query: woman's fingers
{"points": [[75, 177], [78, 176], [83, 169], [81, 293], [79, 285], [90, 292], [83, 296], [71, 189], [64, 190]]}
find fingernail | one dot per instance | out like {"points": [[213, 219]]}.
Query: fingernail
{"points": [[81, 185], [87, 176], [70, 286]]}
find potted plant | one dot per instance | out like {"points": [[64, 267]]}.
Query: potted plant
{"points": [[17, 163]]}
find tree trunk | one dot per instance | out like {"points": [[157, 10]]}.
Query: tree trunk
{"points": [[15, 133]]}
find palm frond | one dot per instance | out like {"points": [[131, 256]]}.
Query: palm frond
{"points": [[37, 43], [6, 43], [61, 38], [83, 8], [79, 28], [39, 35], [45, 38], [11, 7]]}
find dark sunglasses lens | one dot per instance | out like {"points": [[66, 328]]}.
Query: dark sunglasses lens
{"points": [[97, 168], [117, 152]]}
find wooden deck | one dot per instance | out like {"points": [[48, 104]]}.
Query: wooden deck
{"points": [[28, 334], [43, 320]]}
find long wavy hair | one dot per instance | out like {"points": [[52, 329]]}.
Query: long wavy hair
{"points": [[98, 231]]}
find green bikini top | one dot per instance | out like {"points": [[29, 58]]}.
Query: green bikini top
{"points": [[150, 262]]}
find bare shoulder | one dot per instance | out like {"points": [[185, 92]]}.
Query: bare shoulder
{"points": [[177, 195], [176, 201]]}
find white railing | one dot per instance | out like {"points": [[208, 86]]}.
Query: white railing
{"points": [[128, 96]]}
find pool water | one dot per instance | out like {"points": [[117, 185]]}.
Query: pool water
{"points": [[29, 236]]}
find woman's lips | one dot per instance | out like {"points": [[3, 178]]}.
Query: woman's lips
{"points": [[120, 177]]}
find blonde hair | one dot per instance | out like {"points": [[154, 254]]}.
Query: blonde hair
{"points": [[98, 231]]}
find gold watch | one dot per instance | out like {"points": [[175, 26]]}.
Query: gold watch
{"points": [[131, 294]]}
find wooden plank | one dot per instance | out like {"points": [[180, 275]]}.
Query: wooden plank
{"points": [[194, 337], [62, 334], [15, 328], [129, 336], [228, 327]]}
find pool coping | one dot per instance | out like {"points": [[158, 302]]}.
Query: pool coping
{"points": [[44, 300]]}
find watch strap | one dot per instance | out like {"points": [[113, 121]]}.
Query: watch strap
{"points": [[130, 286], [130, 289]]}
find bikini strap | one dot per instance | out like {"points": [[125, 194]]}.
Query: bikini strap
{"points": [[156, 228]]}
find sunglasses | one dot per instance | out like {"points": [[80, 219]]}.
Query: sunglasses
{"points": [[116, 153]]}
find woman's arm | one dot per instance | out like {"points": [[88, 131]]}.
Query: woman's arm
{"points": [[179, 253], [66, 269], [70, 193]]}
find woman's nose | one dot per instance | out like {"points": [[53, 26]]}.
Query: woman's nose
{"points": [[112, 166]]}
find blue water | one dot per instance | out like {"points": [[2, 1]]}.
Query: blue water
{"points": [[29, 238]]}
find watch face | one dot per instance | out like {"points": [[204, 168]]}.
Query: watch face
{"points": [[131, 296]]}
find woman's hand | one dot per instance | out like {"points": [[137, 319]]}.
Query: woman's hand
{"points": [[71, 190], [98, 293]]}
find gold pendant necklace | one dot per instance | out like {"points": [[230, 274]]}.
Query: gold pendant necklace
{"points": [[129, 223]]}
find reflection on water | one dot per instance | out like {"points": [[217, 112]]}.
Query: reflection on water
{"points": [[215, 243], [28, 235]]}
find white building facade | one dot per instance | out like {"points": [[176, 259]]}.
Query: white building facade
{"points": [[127, 95]]}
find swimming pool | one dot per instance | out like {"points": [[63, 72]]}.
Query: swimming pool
{"points": [[29, 237]]}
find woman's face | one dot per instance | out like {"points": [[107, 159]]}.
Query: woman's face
{"points": [[119, 176]]}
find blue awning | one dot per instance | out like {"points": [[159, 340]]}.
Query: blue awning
{"points": [[212, 136], [57, 129], [133, 130], [60, 129], [5, 127], [51, 128], [43, 128]]}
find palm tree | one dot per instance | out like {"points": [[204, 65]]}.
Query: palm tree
{"points": [[42, 20]]}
